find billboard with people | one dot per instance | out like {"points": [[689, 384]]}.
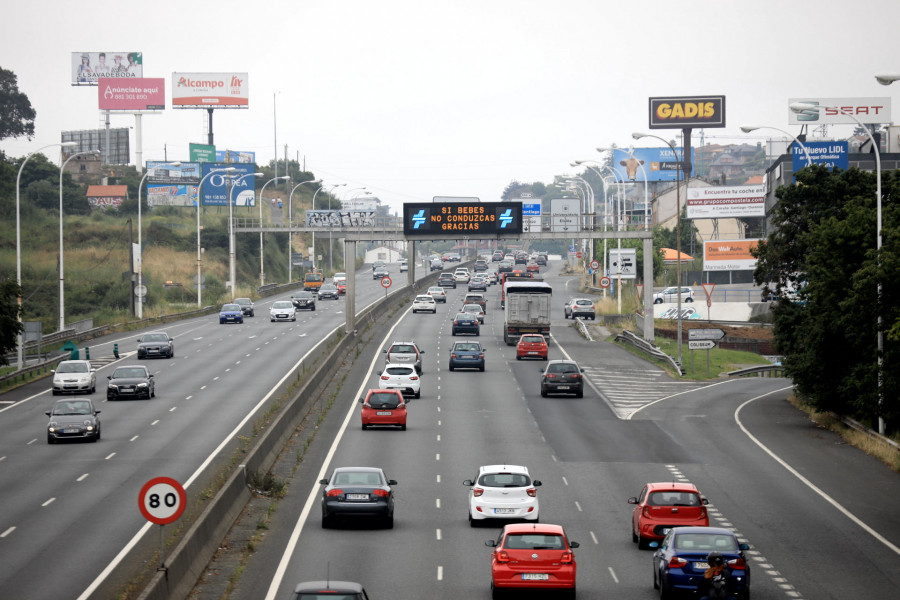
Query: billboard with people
{"points": [[89, 67]]}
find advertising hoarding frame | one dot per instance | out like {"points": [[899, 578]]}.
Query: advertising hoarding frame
{"points": [[145, 93], [130, 65], [725, 202], [674, 112], [210, 90], [870, 110], [729, 255], [216, 190], [659, 163]]}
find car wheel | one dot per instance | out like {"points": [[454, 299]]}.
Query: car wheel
{"points": [[98, 433], [326, 522], [543, 393], [293, 319], [93, 388], [313, 308], [657, 301], [518, 357], [451, 367], [688, 299], [496, 593], [364, 426], [642, 542], [153, 393], [389, 522], [273, 320], [403, 427], [481, 368], [634, 537], [579, 394], [571, 594], [55, 393], [94, 439], [50, 439], [417, 395]]}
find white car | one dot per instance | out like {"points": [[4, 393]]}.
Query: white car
{"points": [[438, 293], [74, 376], [476, 310], [424, 303], [339, 278], [404, 266], [461, 275], [400, 377], [282, 310], [670, 294], [503, 492]]}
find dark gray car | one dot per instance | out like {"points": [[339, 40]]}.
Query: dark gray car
{"points": [[73, 420], [155, 344], [130, 382]]}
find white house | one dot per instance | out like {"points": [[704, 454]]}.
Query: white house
{"points": [[383, 253]]}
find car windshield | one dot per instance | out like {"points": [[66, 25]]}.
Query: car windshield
{"points": [[282, 304], [155, 337], [399, 370], [328, 286], [464, 347], [505, 480], [532, 339], [384, 400], [129, 372], [533, 541], [304, 295], [562, 368], [72, 368], [77, 407], [673, 498], [357, 478], [313, 277], [705, 542], [230, 307]]}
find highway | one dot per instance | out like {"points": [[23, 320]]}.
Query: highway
{"points": [[70, 508], [820, 516]]}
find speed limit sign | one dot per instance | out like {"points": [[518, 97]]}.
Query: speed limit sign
{"points": [[604, 282], [386, 282], [595, 264], [162, 500]]}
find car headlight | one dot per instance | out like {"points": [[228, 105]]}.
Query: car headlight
{"points": [[113, 387], [89, 424], [142, 385], [51, 427]]}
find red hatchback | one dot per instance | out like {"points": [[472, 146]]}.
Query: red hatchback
{"points": [[535, 556], [383, 407], [532, 345], [662, 506]]}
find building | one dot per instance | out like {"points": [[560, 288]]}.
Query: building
{"points": [[107, 196]]}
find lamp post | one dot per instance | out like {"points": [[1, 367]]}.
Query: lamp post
{"points": [[140, 262], [330, 247], [62, 291], [20, 341], [605, 213], [803, 107], [199, 200], [638, 136], [262, 270], [231, 268], [333, 187], [291, 220], [749, 128], [646, 183]]}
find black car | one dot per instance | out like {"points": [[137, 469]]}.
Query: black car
{"points": [[155, 344], [541, 260], [358, 492], [329, 291], [304, 300], [380, 273], [466, 323], [319, 590], [562, 377], [246, 305], [73, 420], [505, 266], [447, 280], [133, 381]]}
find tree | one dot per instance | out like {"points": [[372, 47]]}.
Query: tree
{"points": [[10, 327], [823, 248], [16, 114]]}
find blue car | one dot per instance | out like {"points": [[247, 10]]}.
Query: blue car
{"points": [[467, 355], [679, 562], [231, 313], [466, 323]]}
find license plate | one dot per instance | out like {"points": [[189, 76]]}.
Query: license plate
{"points": [[71, 431], [535, 576], [701, 566], [531, 352], [384, 413], [562, 387], [357, 496], [504, 511]]}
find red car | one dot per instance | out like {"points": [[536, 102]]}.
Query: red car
{"points": [[532, 345], [532, 267], [535, 556], [342, 288], [383, 407], [662, 506]]}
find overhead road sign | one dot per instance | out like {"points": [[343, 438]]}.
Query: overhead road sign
{"points": [[423, 219]]}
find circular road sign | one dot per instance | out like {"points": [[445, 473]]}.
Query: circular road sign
{"points": [[140, 290], [595, 264], [604, 282], [386, 282], [578, 254], [162, 500]]}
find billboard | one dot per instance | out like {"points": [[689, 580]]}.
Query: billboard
{"points": [[207, 90], [168, 185], [131, 94], [675, 112], [202, 152], [117, 152], [328, 219], [837, 110], [729, 255], [464, 218], [726, 202], [89, 67], [659, 164], [235, 156], [217, 190], [831, 154]]}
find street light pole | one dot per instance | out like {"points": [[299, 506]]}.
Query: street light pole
{"points": [[336, 185], [291, 220], [638, 136], [140, 262], [231, 267], [62, 290], [646, 182], [20, 359], [199, 201], [262, 270], [330, 246], [749, 128], [803, 107]]}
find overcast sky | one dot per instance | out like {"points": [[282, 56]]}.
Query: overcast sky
{"points": [[419, 98]]}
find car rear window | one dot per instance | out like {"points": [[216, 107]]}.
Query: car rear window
{"points": [[705, 542], [399, 370], [382, 400], [562, 368], [467, 348], [532, 541], [402, 349], [673, 499], [354, 478], [424, 299], [584, 303], [505, 480], [532, 339]]}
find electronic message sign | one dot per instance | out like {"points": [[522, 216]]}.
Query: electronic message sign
{"points": [[464, 218]]}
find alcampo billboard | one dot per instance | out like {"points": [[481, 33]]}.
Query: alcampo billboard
{"points": [[209, 90]]}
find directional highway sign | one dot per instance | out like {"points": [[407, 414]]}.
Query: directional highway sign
{"points": [[705, 334], [701, 344]]}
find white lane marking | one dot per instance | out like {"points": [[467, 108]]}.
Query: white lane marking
{"points": [[804, 480], [594, 537], [7, 532], [440, 573], [134, 438], [578, 506], [565, 481], [216, 378], [202, 387], [109, 456], [437, 502], [438, 478], [154, 423], [83, 477], [437, 457], [48, 502], [613, 573], [437, 534], [438, 437], [31, 442], [173, 409]]}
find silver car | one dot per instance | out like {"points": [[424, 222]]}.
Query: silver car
{"points": [[405, 353], [74, 376]]}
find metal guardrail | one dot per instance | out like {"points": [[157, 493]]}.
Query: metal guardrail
{"points": [[758, 371], [582, 328], [643, 345]]}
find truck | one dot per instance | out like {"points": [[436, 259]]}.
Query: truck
{"points": [[312, 282], [526, 309]]}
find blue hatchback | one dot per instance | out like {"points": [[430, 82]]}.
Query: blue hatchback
{"points": [[679, 563], [467, 355], [465, 323], [231, 313]]}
